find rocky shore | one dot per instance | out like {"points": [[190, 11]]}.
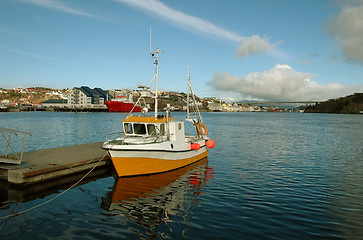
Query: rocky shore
{"points": [[352, 104]]}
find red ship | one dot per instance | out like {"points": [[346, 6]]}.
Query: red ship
{"points": [[122, 104]]}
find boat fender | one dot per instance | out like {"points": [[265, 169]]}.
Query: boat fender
{"points": [[202, 128], [195, 146], [210, 143]]}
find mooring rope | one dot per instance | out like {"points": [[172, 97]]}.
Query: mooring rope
{"points": [[57, 196]]}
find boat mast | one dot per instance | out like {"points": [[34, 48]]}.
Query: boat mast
{"points": [[155, 55], [188, 93], [194, 101]]}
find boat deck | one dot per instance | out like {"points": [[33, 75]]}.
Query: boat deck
{"points": [[54, 163]]}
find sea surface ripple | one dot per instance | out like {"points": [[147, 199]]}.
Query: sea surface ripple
{"points": [[270, 176]]}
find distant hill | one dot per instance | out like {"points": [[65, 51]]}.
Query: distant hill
{"points": [[350, 104]]}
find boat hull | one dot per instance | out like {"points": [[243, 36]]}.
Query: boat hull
{"points": [[141, 162], [117, 106]]}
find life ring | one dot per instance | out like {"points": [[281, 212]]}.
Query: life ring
{"points": [[202, 128]]}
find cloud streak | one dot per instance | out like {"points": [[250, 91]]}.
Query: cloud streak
{"points": [[281, 83], [157, 8], [23, 52], [57, 6], [247, 45]]}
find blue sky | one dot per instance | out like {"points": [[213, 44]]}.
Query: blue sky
{"points": [[236, 49]]}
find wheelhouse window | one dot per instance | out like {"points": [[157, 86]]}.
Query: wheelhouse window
{"points": [[128, 128], [151, 130], [139, 128], [144, 129]]}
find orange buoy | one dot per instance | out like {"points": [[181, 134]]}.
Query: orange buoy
{"points": [[195, 146], [210, 143]]}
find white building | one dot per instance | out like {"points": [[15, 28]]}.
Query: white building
{"points": [[84, 97]]}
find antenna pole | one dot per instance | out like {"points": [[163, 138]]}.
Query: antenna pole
{"points": [[150, 39], [156, 56], [188, 93]]}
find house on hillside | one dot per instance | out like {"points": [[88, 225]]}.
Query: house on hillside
{"points": [[215, 106], [85, 97]]}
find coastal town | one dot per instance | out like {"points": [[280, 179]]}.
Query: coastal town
{"points": [[85, 98]]}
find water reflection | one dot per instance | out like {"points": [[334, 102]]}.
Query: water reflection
{"points": [[17, 221], [155, 200], [13, 194]]}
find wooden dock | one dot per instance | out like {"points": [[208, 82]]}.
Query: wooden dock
{"points": [[55, 163]]}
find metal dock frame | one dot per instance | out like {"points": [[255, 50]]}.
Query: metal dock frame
{"points": [[13, 158]]}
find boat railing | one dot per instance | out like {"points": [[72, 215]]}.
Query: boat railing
{"points": [[14, 157], [119, 134], [145, 138]]}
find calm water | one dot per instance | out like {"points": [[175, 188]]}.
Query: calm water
{"points": [[270, 176]]}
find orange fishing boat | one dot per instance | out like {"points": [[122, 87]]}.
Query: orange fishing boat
{"points": [[155, 144]]}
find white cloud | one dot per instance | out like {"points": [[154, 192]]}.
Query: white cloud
{"points": [[247, 45], [254, 45], [58, 6], [281, 83], [347, 30]]}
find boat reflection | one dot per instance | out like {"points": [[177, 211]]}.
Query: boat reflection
{"points": [[153, 199]]}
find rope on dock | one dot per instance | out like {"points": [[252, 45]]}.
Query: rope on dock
{"points": [[57, 196]]}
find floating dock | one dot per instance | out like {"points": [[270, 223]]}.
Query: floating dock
{"points": [[54, 163]]}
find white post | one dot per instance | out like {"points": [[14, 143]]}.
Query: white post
{"points": [[156, 78], [156, 83], [188, 93]]}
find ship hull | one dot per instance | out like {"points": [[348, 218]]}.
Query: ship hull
{"points": [[142, 162], [117, 106]]}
